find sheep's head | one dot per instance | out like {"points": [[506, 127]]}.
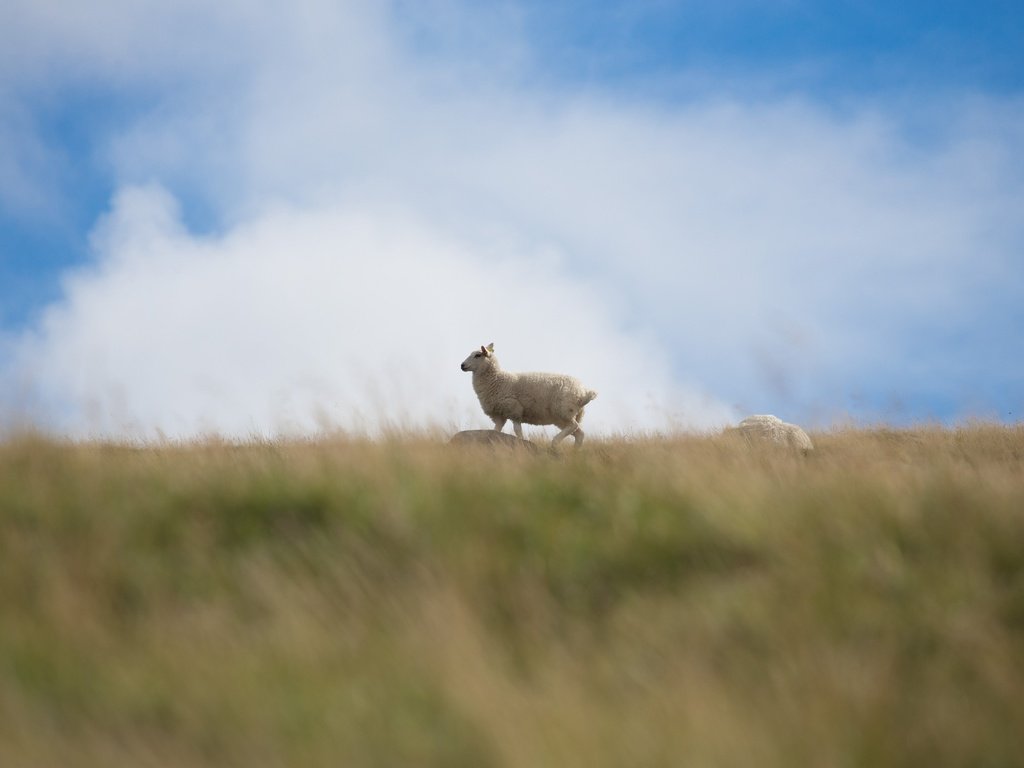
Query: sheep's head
{"points": [[481, 359]]}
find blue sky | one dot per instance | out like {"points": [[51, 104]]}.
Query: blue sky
{"points": [[830, 50], [710, 209]]}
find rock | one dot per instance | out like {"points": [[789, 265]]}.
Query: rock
{"points": [[489, 438]]}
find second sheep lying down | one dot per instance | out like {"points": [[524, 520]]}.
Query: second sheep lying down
{"points": [[772, 430], [530, 398]]}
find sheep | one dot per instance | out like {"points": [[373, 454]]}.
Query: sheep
{"points": [[772, 429], [533, 398]]}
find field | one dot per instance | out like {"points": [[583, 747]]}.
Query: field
{"points": [[683, 601]]}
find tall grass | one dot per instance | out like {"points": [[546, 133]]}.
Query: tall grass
{"points": [[685, 601]]}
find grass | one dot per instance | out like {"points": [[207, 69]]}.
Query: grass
{"points": [[648, 602]]}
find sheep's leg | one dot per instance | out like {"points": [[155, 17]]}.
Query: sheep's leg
{"points": [[499, 424], [578, 436], [569, 430], [518, 427]]}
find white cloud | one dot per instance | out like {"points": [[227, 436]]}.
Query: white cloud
{"points": [[379, 206], [324, 317]]}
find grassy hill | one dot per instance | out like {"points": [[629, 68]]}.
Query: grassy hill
{"points": [[648, 602]]}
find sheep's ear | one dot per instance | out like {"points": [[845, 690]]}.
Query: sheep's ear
{"points": [[490, 347], [483, 349]]}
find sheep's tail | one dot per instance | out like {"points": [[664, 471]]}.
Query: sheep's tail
{"points": [[589, 395]]}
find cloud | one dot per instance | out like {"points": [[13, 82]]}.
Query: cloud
{"points": [[320, 318], [377, 207]]}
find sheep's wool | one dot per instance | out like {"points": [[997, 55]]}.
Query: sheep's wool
{"points": [[528, 398], [772, 429]]}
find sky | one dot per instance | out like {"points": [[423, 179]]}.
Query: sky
{"points": [[256, 219]]}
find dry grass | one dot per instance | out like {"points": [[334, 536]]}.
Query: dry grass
{"points": [[644, 602]]}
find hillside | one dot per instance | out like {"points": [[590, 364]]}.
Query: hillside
{"points": [[644, 602]]}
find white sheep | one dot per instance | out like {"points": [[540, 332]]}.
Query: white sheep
{"points": [[772, 429], [533, 398]]}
